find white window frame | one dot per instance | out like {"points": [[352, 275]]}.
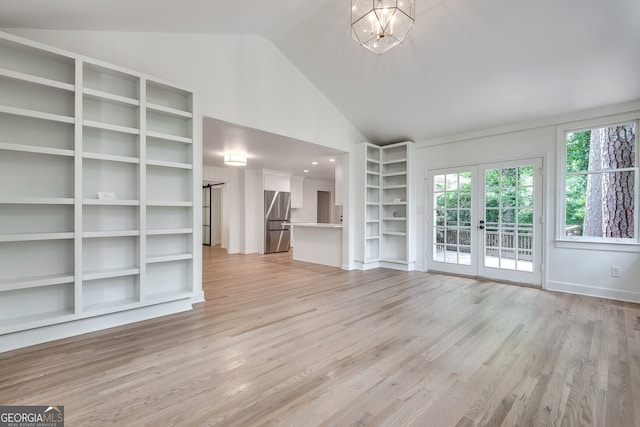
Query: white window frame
{"points": [[605, 243]]}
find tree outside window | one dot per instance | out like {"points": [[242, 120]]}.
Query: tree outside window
{"points": [[600, 182]]}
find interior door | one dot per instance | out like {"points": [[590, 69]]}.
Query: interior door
{"points": [[484, 220]]}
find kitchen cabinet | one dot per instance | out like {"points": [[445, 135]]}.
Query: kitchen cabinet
{"points": [[276, 180], [297, 192]]}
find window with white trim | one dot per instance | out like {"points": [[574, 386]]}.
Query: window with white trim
{"points": [[600, 183]]}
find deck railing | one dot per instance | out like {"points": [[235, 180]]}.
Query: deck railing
{"points": [[503, 242]]}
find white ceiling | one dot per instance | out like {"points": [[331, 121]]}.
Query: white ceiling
{"points": [[267, 150], [468, 64]]}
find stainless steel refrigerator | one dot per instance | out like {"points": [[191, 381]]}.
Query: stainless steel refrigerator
{"points": [[277, 221]]}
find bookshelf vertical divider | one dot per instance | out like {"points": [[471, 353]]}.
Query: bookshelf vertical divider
{"points": [[144, 286], [78, 206]]}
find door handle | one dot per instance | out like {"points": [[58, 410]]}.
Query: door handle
{"points": [[481, 226]]}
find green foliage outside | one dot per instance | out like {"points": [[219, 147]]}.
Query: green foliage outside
{"points": [[508, 198], [576, 188]]}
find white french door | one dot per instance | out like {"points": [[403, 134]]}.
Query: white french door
{"points": [[450, 220], [485, 220]]}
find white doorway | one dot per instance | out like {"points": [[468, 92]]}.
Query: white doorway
{"points": [[324, 207], [216, 214], [485, 220], [212, 214]]}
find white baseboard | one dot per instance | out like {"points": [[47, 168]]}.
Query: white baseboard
{"points": [[359, 265], [198, 297], [77, 327], [593, 291], [397, 266]]}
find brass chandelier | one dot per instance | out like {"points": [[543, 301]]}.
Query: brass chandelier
{"points": [[380, 25]]}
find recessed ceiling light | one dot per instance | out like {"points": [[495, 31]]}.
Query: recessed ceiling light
{"points": [[306, 171], [314, 163], [332, 159]]}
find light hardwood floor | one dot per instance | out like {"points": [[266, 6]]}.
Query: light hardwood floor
{"points": [[281, 342]]}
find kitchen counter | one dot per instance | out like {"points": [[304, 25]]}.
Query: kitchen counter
{"points": [[318, 243], [316, 224]]}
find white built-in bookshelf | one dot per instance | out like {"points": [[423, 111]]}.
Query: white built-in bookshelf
{"points": [[372, 204], [387, 202], [71, 128]]}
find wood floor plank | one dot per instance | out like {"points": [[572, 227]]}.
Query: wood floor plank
{"points": [[286, 343]]}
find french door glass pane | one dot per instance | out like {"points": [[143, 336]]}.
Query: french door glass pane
{"points": [[452, 218], [509, 218]]}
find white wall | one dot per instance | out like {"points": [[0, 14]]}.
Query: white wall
{"points": [[586, 270], [251, 226]]}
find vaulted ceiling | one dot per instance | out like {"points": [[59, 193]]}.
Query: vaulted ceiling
{"points": [[468, 64]]}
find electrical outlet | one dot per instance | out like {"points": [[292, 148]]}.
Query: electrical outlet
{"points": [[615, 271]]}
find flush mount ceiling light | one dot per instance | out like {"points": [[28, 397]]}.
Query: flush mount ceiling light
{"points": [[235, 159], [380, 25]]}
